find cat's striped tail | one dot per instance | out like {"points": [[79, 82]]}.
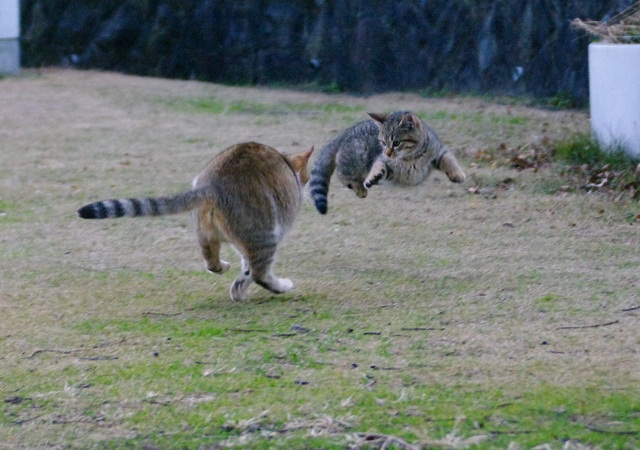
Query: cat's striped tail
{"points": [[135, 207], [321, 173]]}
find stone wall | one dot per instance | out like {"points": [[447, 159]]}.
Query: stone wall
{"points": [[522, 47]]}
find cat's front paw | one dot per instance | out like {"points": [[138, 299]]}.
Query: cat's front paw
{"points": [[456, 176], [449, 165], [378, 171]]}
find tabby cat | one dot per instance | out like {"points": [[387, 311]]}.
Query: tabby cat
{"points": [[249, 195], [351, 152], [398, 147]]}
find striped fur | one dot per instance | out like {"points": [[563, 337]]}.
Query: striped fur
{"points": [[351, 152], [411, 149], [249, 196], [364, 154], [135, 207]]}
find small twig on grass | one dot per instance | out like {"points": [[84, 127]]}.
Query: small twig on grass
{"points": [[157, 402], [514, 432], [61, 420], [29, 419], [153, 313], [71, 352], [372, 333], [49, 350], [588, 326], [247, 330], [422, 329], [631, 309], [97, 358], [374, 367], [620, 433], [16, 400]]}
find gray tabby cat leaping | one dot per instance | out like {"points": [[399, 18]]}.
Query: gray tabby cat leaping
{"points": [[398, 147]]}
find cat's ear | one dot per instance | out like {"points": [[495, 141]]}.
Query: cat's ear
{"points": [[409, 121], [379, 118], [300, 160], [309, 152], [306, 155]]}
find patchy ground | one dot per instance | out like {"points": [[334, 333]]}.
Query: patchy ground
{"points": [[499, 312]]}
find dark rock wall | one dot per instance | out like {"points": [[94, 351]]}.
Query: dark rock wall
{"points": [[523, 47]]}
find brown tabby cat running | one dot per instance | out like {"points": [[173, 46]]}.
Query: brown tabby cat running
{"points": [[249, 195], [398, 147]]}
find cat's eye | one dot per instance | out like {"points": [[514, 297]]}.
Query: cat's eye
{"points": [[396, 143]]}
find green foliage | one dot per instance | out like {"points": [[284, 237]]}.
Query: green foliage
{"points": [[332, 88], [583, 149], [593, 168], [435, 93], [562, 100]]}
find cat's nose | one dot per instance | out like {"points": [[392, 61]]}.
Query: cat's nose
{"points": [[388, 151]]}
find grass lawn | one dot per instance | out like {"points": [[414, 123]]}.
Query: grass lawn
{"points": [[501, 313]]}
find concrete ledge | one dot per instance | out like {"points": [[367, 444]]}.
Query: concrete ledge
{"points": [[9, 56]]}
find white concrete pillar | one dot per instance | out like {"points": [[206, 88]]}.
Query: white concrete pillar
{"points": [[9, 36], [614, 91]]}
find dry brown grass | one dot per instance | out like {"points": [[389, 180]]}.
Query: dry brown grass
{"points": [[439, 286], [621, 28]]}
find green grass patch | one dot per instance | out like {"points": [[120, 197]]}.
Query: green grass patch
{"points": [[8, 212], [474, 117], [583, 149], [205, 105], [590, 167], [211, 105], [433, 416]]}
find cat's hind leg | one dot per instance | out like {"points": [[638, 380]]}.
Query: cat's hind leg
{"points": [[274, 284], [261, 263]]}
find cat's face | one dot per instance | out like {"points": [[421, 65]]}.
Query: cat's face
{"points": [[400, 133], [300, 161]]}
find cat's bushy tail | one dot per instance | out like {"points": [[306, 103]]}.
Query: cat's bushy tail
{"points": [[321, 173], [135, 207]]}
